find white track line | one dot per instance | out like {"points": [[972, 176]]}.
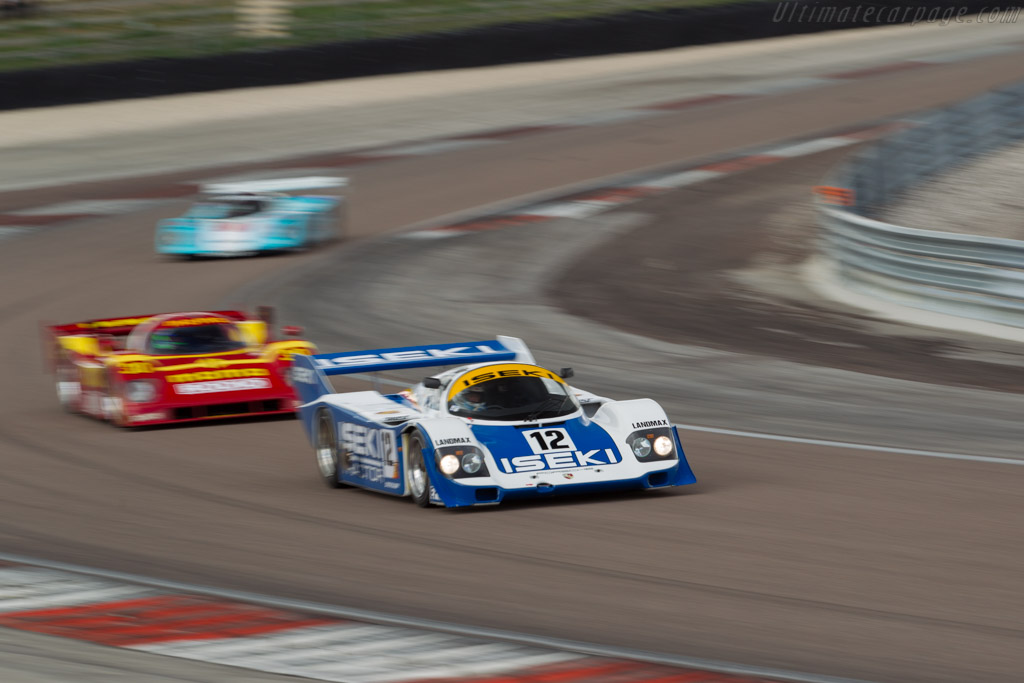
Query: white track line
{"points": [[7, 231], [852, 446], [566, 209], [681, 179], [100, 207], [777, 86], [428, 147], [70, 597], [812, 146]]}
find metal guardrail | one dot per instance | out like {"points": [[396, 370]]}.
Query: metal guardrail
{"points": [[957, 274]]}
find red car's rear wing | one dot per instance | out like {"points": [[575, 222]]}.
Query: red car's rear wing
{"points": [[120, 326]]}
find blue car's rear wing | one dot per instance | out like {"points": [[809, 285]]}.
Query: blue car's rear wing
{"points": [[309, 373]]}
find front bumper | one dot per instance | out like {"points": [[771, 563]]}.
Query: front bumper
{"points": [[150, 414], [187, 250], [452, 493]]}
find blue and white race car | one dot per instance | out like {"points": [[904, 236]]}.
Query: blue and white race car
{"points": [[244, 218], [498, 427]]}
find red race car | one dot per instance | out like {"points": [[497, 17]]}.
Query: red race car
{"points": [[175, 367]]}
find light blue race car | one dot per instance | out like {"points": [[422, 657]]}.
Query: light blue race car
{"points": [[496, 428], [245, 218]]}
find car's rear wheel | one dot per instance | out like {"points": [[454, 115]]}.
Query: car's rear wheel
{"points": [[416, 476], [69, 388], [326, 450]]}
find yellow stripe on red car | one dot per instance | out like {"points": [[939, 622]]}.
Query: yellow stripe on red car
{"points": [[235, 373], [192, 322], [121, 322]]}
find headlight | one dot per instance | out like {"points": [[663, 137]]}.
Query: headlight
{"points": [[641, 447], [139, 391], [449, 464], [652, 444], [461, 462], [472, 462], [168, 238]]}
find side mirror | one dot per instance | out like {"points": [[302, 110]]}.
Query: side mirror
{"points": [[105, 342], [291, 330], [566, 373], [431, 382]]}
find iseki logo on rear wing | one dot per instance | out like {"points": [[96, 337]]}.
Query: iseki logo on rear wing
{"points": [[456, 354], [310, 372], [459, 353]]}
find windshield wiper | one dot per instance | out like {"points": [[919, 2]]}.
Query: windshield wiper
{"points": [[547, 405]]}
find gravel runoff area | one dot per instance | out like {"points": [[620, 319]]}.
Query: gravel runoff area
{"points": [[982, 197]]}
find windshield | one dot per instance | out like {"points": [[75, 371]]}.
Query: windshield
{"points": [[212, 338], [208, 210], [511, 393], [226, 209]]}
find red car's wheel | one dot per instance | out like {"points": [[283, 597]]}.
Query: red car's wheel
{"points": [[114, 403], [69, 386]]}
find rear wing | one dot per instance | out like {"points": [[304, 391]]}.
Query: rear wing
{"points": [[309, 373], [113, 326], [273, 185], [120, 326]]}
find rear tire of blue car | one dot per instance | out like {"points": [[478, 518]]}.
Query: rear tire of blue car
{"points": [[326, 450], [417, 478]]}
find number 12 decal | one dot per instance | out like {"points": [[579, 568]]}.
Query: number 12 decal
{"points": [[549, 440]]}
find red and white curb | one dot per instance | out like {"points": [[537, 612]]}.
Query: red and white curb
{"points": [[313, 644], [616, 195]]}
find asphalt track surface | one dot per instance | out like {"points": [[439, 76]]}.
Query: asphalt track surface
{"points": [[834, 561]]}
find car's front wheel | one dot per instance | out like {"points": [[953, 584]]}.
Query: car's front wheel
{"points": [[326, 450], [416, 476], [113, 403]]}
